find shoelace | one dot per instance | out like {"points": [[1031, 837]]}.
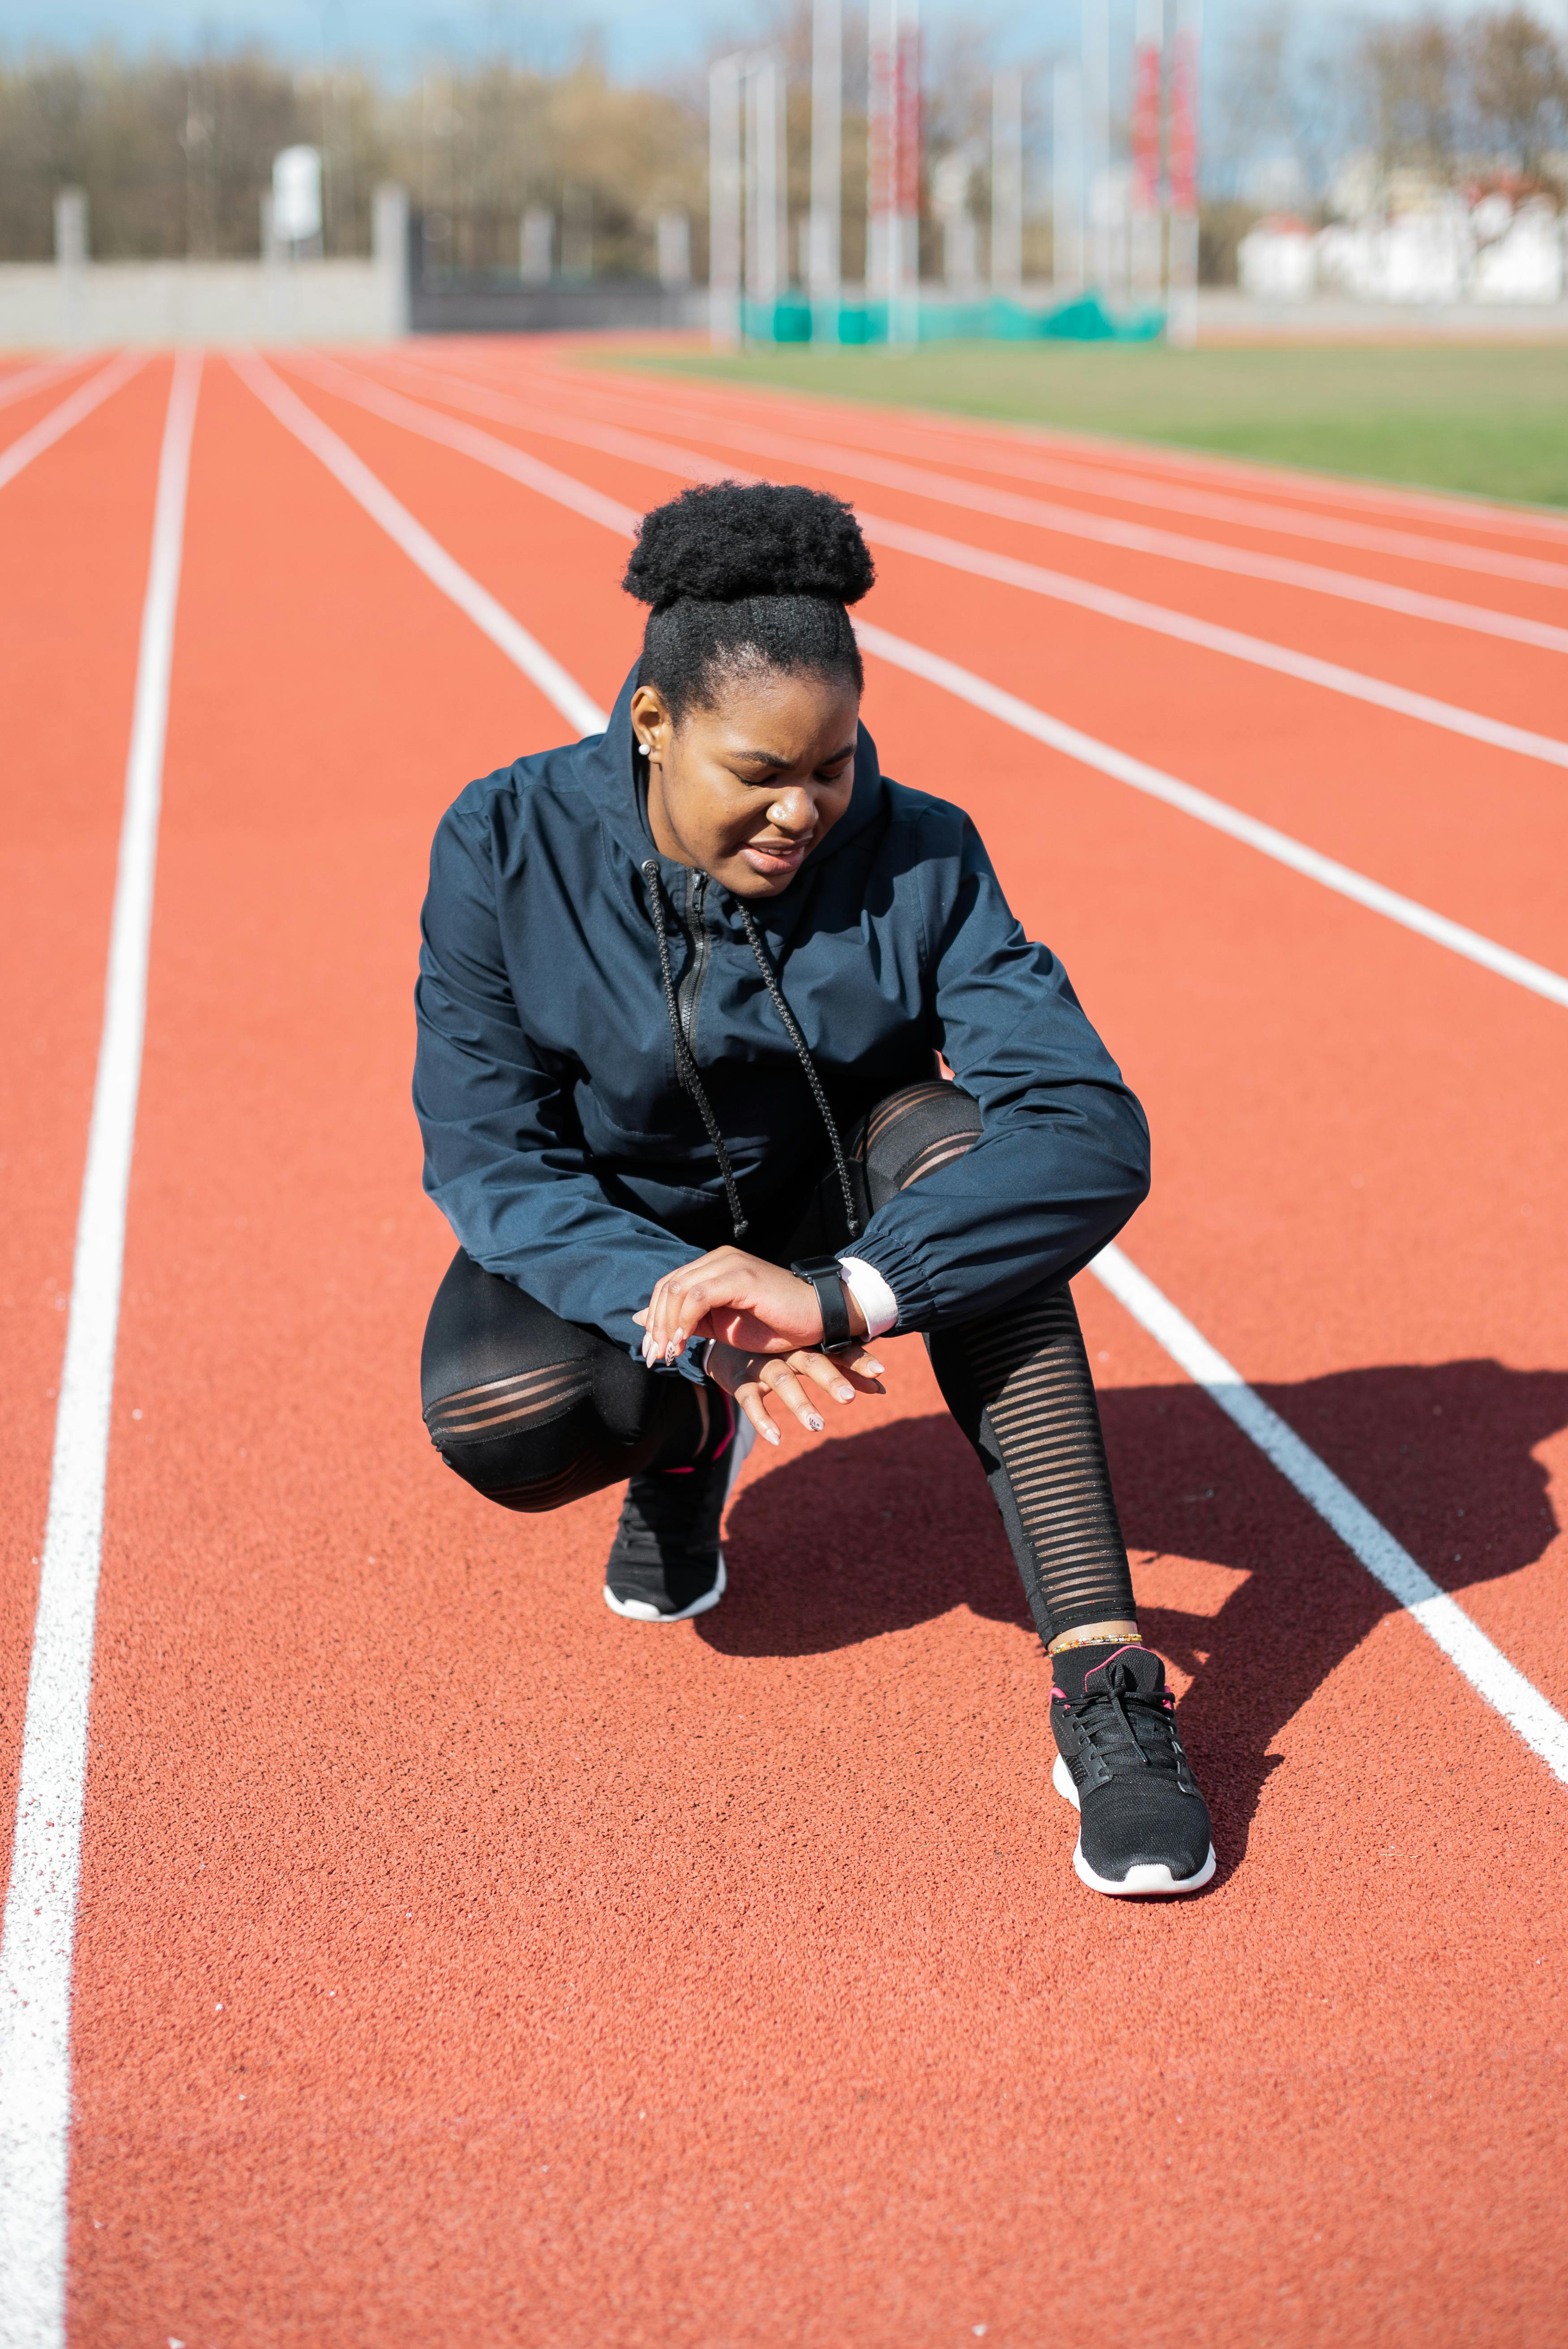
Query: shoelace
{"points": [[1120, 1692], [686, 1065]]}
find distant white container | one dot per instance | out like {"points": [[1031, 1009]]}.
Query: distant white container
{"points": [[1275, 261], [296, 195], [1524, 263], [1422, 255]]}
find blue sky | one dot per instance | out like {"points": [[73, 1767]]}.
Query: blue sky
{"points": [[640, 36]]}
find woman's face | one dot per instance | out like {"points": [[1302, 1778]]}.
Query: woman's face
{"points": [[743, 790]]}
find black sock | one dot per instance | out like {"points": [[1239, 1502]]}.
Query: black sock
{"points": [[1070, 1667]]}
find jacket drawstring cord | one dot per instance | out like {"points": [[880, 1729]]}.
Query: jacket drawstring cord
{"points": [[770, 980], [685, 1066]]}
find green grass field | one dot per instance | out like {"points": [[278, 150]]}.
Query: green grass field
{"points": [[1491, 419]]}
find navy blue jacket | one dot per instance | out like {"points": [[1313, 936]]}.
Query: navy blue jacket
{"points": [[560, 1142]]}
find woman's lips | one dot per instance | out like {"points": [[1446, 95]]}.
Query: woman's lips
{"points": [[770, 857]]}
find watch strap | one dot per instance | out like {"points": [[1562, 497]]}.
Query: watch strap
{"points": [[825, 1275]]}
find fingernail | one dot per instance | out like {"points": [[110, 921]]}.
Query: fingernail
{"points": [[814, 1423], [671, 1351], [875, 1368], [771, 1434], [845, 1394], [677, 1342]]}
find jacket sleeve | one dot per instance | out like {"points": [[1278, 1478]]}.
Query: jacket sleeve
{"points": [[1062, 1157], [504, 1160]]}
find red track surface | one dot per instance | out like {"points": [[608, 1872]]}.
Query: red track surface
{"points": [[458, 1964]]}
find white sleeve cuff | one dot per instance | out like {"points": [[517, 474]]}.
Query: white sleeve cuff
{"points": [[871, 1293]]}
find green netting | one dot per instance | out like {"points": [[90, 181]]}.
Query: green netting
{"points": [[1086, 319]]}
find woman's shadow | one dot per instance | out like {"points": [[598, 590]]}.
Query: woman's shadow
{"points": [[879, 1532]]}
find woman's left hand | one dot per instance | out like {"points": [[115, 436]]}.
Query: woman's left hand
{"points": [[799, 1381], [754, 1306]]}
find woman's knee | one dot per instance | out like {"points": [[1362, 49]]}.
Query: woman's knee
{"points": [[520, 1441], [914, 1132]]}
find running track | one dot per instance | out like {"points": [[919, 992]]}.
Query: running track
{"points": [[456, 1964]]}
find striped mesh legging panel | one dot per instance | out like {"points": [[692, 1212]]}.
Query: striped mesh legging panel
{"points": [[1018, 1382], [503, 1406], [913, 1132]]}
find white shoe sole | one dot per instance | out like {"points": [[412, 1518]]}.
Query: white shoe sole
{"points": [[1150, 1876], [638, 1610]]}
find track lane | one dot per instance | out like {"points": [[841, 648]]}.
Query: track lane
{"points": [[75, 529], [745, 1994], [566, 360], [1272, 747], [1529, 603], [1519, 683]]}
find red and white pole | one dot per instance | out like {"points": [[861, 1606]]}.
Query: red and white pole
{"points": [[1148, 44], [1181, 328], [893, 193]]}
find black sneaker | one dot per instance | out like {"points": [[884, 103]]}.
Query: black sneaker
{"points": [[665, 1562], [1142, 1827]]}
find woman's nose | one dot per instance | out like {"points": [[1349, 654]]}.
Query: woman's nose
{"points": [[793, 810]]}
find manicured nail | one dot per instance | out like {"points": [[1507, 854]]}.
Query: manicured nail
{"points": [[671, 1351], [845, 1394], [771, 1434], [875, 1368], [812, 1421], [677, 1342]]}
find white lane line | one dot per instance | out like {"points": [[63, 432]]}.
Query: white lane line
{"points": [[507, 635], [1007, 571], [1458, 509], [1210, 637], [1122, 488], [1488, 1670], [1137, 538], [59, 420], [1217, 813], [36, 379], [39, 1934], [966, 685]]}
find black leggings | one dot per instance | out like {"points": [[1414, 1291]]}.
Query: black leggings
{"points": [[535, 1412]]}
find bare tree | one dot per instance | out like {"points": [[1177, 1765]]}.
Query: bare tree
{"points": [[1413, 91], [1519, 88]]}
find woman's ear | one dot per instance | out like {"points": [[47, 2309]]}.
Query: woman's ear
{"points": [[651, 723]]}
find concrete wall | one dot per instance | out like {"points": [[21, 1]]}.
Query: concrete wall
{"points": [[472, 306], [44, 304]]}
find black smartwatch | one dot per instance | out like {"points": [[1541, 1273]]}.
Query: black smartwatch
{"points": [[825, 1275]]}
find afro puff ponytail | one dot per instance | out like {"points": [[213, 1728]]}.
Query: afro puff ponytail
{"points": [[747, 576]]}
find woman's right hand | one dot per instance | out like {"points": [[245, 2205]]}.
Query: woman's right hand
{"points": [[798, 1381]]}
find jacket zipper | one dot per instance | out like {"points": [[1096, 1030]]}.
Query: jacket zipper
{"points": [[690, 989]]}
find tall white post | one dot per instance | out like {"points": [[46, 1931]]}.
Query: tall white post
{"points": [[1181, 313], [1148, 47], [1007, 183], [1096, 68], [1067, 269], [824, 255], [724, 203], [767, 254]]}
